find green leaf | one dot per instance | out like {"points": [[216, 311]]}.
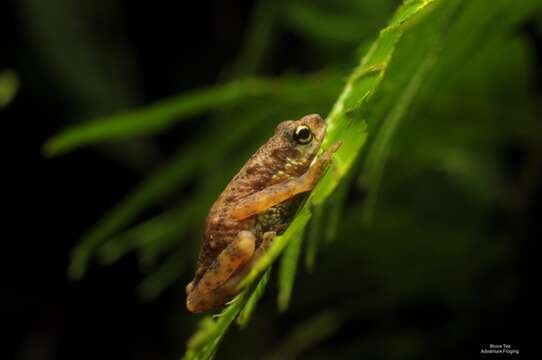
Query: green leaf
{"points": [[323, 25], [314, 234], [258, 40], [171, 176], [307, 334], [161, 115], [165, 180], [379, 153], [246, 313], [167, 273], [334, 208], [155, 117], [287, 270], [156, 233], [9, 85]]}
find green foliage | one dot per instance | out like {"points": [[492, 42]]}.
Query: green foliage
{"points": [[155, 117], [176, 172], [9, 84], [347, 124], [306, 334], [287, 270], [246, 313], [408, 114]]}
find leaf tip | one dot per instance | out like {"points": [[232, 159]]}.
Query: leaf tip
{"points": [[77, 267], [52, 148]]}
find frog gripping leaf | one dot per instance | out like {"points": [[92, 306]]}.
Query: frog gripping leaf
{"points": [[256, 205]]}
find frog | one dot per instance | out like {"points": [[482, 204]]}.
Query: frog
{"points": [[257, 205]]}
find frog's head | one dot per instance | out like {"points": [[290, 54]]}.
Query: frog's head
{"points": [[301, 139], [305, 134]]}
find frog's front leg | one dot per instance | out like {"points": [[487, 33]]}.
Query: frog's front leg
{"points": [[203, 295], [275, 194]]}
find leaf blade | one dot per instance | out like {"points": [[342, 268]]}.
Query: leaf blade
{"points": [[287, 271], [155, 117]]}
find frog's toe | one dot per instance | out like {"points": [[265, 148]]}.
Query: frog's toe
{"points": [[231, 301]]}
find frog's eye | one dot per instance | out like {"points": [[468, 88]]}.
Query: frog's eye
{"points": [[302, 135]]}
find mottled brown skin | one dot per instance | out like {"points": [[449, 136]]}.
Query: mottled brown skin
{"points": [[256, 205]]}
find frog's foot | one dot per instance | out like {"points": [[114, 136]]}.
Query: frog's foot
{"points": [[309, 180], [201, 296]]}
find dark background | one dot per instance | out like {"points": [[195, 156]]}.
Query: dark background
{"points": [[53, 201]]}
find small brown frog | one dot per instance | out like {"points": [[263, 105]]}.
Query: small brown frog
{"points": [[257, 204]]}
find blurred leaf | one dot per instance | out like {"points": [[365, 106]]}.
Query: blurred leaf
{"points": [[378, 155], [335, 27], [169, 177], [433, 71], [287, 270], [163, 114], [314, 235], [246, 313], [168, 271], [323, 25], [259, 39], [477, 26], [334, 208], [9, 85], [307, 334], [152, 234], [166, 179], [156, 117]]}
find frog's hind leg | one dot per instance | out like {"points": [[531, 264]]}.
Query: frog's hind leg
{"points": [[230, 288], [201, 296]]}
